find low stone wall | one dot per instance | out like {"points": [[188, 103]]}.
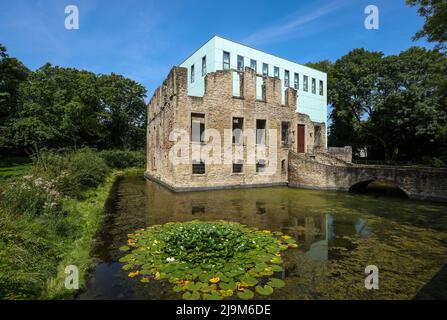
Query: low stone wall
{"points": [[418, 183], [343, 153]]}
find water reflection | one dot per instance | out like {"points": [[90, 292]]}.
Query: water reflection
{"points": [[338, 235]]}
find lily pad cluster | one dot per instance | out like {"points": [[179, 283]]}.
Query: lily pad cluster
{"points": [[208, 260]]}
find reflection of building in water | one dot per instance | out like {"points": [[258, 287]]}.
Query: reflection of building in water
{"points": [[313, 234]]}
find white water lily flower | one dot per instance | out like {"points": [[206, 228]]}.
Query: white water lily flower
{"points": [[170, 259]]}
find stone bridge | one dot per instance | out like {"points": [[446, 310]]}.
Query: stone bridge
{"points": [[323, 171]]}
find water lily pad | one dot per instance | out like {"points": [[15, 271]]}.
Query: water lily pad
{"points": [[245, 294], [276, 283], [250, 281], [265, 290], [209, 260], [194, 295], [124, 248], [212, 296]]}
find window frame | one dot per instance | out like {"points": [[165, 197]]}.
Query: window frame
{"points": [[276, 72], [286, 78], [296, 80], [314, 86], [240, 59], [265, 66], [192, 74], [225, 63], [321, 88], [203, 66], [253, 61], [305, 83]]}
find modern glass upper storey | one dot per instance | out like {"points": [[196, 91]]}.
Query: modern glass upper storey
{"points": [[219, 54]]}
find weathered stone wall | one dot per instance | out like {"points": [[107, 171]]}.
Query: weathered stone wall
{"points": [[417, 183], [170, 109], [343, 153]]}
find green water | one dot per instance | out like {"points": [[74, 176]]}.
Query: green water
{"points": [[339, 235]]}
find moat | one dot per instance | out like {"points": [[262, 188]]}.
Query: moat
{"points": [[339, 234]]}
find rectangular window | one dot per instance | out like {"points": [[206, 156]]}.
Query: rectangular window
{"points": [[285, 125], [296, 81], [204, 66], [265, 69], [305, 83], [237, 167], [240, 63], [238, 127], [276, 72], [192, 74], [321, 87], [314, 86], [253, 64], [286, 78], [283, 166], [226, 60], [260, 131], [198, 167], [260, 166], [197, 127]]}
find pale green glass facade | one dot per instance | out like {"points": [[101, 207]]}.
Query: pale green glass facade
{"points": [[311, 103]]}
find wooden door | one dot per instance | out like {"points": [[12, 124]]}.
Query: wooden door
{"points": [[301, 138]]}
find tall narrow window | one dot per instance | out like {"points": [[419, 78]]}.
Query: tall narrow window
{"points": [[265, 69], [192, 74], [276, 72], [260, 131], [305, 83], [240, 63], [321, 87], [253, 64], [226, 60], [238, 127], [286, 78], [296, 81], [204, 66], [197, 127], [285, 133], [314, 86]]}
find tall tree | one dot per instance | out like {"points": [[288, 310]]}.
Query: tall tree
{"points": [[123, 101], [435, 25], [12, 73]]}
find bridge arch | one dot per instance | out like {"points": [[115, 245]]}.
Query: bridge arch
{"points": [[362, 185]]}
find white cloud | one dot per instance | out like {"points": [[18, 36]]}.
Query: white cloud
{"points": [[278, 32]]}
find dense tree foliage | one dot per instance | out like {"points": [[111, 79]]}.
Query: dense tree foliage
{"points": [[395, 106], [57, 107], [435, 26]]}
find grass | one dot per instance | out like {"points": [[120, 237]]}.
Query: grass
{"points": [[34, 250], [14, 167]]}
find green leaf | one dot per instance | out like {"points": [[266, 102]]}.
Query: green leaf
{"points": [[191, 295], [265, 291], [276, 283], [124, 248], [212, 296], [245, 294], [250, 281]]}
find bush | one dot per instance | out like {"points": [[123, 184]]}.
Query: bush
{"points": [[121, 159], [31, 195], [74, 171]]}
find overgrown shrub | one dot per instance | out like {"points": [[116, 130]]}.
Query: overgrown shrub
{"points": [[74, 171], [121, 159], [31, 195]]}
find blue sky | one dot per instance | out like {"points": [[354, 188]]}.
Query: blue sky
{"points": [[144, 39]]}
